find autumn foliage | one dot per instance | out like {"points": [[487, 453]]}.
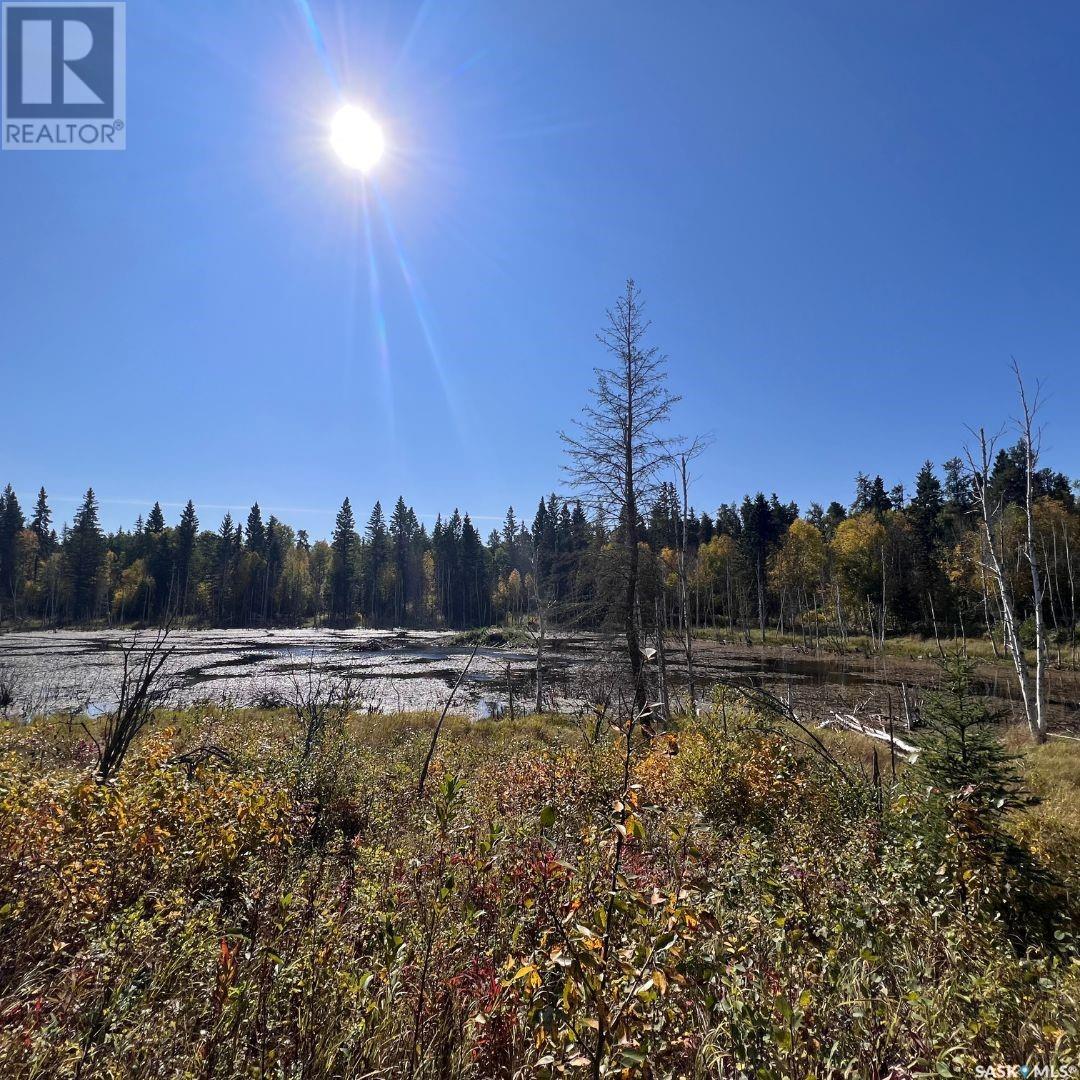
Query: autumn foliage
{"points": [[260, 912]]}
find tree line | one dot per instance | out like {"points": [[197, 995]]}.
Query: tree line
{"points": [[892, 560]]}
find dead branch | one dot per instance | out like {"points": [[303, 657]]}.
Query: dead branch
{"points": [[442, 717]]}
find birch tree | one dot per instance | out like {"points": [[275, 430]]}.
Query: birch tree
{"points": [[682, 460], [1032, 439], [990, 510]]}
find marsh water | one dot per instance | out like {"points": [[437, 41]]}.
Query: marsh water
{"points": [[396, 670]]}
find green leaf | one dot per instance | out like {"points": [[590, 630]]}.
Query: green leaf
{"points": [[782, 1038]]}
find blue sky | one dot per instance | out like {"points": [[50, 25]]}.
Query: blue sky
{"points": [[846, 218]]}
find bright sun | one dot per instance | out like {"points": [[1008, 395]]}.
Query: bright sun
{"points": [[356, 137]]}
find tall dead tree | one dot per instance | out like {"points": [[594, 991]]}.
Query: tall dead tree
{"points": [[543, 604], [991, 511], [684, 456], [1031, 437], [618, 447]]}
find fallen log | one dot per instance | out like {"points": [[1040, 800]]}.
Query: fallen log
{"points": [[850, 722]]}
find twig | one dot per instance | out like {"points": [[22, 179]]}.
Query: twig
{"points": [[442, 717]]}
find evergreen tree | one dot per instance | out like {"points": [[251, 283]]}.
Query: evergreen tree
{"points": [[277, 543], [957, 489], [154, 545], [186, 532], [510, 530], [256, 531], [344, 547], [41, 527], [1008, 481], [928, 582], [375, 559], [41, 522], [12, 523], [84, 552], [973, 785], [401, 539], [228, 542], [155, 523], [706, 529], [474, 587], [764, 522], [870, 496], [927, 502]]}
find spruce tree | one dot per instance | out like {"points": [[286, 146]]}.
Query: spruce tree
{"points": [[375, 558], [156, 549], [401, 539], [227, 543], [973, 785], [85, 549], [41, 527], [474, 600], [343, 572], [41, 522], [186, 532], [11, 524], [256, 531]]}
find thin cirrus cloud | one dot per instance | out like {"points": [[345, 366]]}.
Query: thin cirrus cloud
{"points": [[179, 505]]}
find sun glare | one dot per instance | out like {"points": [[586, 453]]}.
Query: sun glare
{"points": [[357, 138]]}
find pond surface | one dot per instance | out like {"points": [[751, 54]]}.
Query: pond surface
{"points": [[414, 669]]}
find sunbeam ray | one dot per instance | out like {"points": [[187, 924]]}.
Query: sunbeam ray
{"points": [[318, 42], [379, 320], [416, 295]]}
